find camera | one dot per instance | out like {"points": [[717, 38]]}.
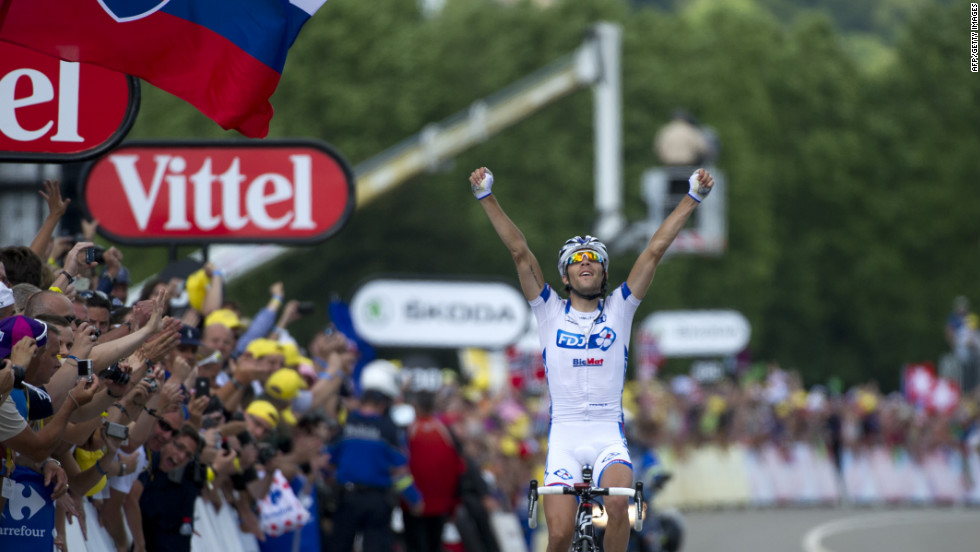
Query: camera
{"points": [[117, 431], [115, 374], [202, 387], [154, 386], [85, 369], [18, 372], [266, 452], [95, 254], [305, 308]]}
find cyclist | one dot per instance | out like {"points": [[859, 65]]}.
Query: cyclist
{"points": [[585, 340]]}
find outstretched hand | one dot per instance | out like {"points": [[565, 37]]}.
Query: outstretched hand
{"points": [[52, 195], [701, 183], [481, 182]]}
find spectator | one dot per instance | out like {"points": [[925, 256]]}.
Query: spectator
{"points": [[166, 494], [98, 306], [219, 332], [21, 266], [370, 463], [436, 466], [190, 342], [23, 293], [956, 320], [682, 142]]}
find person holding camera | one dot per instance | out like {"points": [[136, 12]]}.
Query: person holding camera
{"points": [[30, 354], [25, 353]]}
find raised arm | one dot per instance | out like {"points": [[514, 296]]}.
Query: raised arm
{"points": [[528, 269], [56, 209], [646, 265]]}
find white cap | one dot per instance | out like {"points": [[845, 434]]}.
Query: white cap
{"points": [[380, 375], [6, 296]]}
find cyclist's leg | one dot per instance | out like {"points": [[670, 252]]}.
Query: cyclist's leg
{"points": [[618, 526], [559, 513], [614, 469]]}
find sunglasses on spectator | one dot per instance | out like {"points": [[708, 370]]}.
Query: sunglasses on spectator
{"points": [[166, 427], [88, 294], [583, 255], [71, 319]]}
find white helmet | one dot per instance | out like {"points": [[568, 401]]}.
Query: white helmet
{"points": [[380, 375], [578, 243]]}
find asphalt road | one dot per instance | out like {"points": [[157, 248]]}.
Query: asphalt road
{"points": [[834, 530]]}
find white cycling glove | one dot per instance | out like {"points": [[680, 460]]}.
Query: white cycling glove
{"points": [[698, 190], [485, 187]]}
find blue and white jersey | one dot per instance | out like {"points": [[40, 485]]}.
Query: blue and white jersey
{"points": [[585, 354]]}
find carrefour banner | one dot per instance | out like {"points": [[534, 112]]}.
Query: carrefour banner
{"points": [[28, 517]]}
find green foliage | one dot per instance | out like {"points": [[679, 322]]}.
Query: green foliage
{"points": [[853, 218]]}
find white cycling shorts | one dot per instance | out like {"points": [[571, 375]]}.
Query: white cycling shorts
{"points": [[572, 444]]}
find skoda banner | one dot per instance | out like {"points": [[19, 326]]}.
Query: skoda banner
{"points": [[443, 314], [699, 333]]}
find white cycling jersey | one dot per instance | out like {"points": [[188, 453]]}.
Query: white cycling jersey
{"points": [[585, 354]]}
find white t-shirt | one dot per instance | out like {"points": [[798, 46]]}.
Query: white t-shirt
{"points": [[585, 354], [124, 483], [11, 422]]}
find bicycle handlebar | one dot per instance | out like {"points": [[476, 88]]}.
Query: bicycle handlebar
{"points": [[534, 491], [594, 491]]}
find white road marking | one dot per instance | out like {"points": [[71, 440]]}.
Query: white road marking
{"points": [[812, 540]]}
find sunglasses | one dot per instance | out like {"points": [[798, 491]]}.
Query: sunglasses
{"points": [[584, 255], [166, 427], [88, 294], [71, 319]]}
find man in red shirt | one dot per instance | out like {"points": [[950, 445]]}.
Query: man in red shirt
{"points": [[436, 466]]}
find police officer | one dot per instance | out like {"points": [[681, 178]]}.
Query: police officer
{"points": [[371, 466]]}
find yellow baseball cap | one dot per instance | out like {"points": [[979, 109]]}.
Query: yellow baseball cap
{"points": [[225, 317], [264, 410], [291, 352], [284, 384], [289, 417], [261, 347]]}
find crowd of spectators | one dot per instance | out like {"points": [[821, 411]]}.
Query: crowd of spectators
{"points": [[140, 408]]}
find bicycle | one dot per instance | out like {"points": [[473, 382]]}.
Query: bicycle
{"points": [[583, 539]]}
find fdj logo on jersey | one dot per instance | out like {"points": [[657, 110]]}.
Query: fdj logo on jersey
{"points": [[602, 340]]}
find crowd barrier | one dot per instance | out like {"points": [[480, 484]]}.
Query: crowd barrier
{"points": [[805, 475], [214, 529], [798, 474]]}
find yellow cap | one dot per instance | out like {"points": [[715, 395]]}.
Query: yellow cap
{"points": [[261, 347], [264, 410], [197, 288], [291, 352], [289, 417], [284, 384], [225, 317]]}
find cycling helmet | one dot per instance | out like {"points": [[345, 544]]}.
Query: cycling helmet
{"points": [[579, 243]]}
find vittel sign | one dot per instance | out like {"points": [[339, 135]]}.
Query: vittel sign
{"points": [[58, 111], [207, 192]]}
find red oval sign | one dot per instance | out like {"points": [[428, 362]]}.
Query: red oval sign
{"points": [[59, 111], [219, 192]]}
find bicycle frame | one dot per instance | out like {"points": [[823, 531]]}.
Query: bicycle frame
{"points": [[583, 540]]}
